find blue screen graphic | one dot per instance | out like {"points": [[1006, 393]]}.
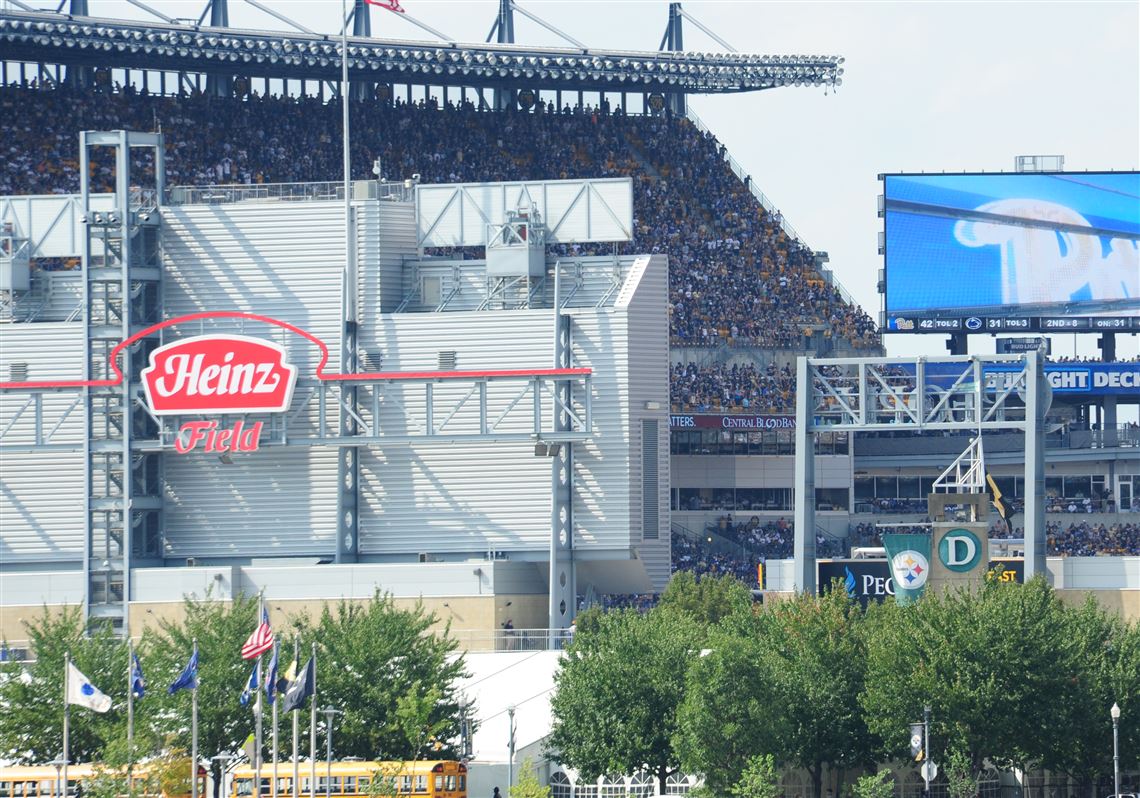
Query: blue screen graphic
{"points": [[1066, 243]]}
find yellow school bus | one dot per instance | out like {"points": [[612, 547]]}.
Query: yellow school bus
{"points": [[43, 781], [421, 779]]}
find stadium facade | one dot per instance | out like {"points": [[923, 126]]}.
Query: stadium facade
{"points": [[454, 403]]}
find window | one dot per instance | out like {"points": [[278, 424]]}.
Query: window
{"points": [[612, 787], [406, 784], [349, 785], [450, 784], [677, 784], [559, 785], [421, 783], [462, 783], [438, 783], [5, 789], [640, 785], [362, 784]]}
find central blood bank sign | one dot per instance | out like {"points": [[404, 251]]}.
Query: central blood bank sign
{"points": [[218, 374], [740, 422]]}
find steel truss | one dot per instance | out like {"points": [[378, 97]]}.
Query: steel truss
{"points": [[492, 407], [972, 393]]}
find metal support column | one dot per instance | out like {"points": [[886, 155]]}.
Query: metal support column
{"points": [[79, 77], [804, 519], [675, 42], [362, 90], [563, 588], [219, 85], [1035, 408], [121, 270], [505, 34], [348, 456]]}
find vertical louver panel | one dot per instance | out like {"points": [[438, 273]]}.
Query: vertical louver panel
{"points": [[650, 501]]}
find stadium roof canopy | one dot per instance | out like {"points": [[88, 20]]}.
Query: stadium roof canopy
{"points": [[44, 37]]}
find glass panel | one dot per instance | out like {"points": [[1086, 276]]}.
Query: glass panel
{"points": [[438, 783], [421, 783], [886, 488], [864, 488], [462, 783], [349, 787], [449, 784]]}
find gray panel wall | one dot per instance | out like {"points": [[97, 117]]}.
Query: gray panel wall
{"points": [[282, 260], [645, 295], [42, 494]]}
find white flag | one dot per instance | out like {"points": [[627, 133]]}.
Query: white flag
{"points": [[80, 691]]}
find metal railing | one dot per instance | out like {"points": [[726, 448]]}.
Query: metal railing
{"points": [[512, 639], [224, 194]]}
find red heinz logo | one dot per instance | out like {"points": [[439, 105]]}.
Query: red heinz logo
{"points": [[218, 374]]}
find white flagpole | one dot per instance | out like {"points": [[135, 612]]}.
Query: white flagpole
{"points": [[257, 710], [194, 731], [66, 720], [313, 731], [130, 715], [276, 701], [296, 724]]}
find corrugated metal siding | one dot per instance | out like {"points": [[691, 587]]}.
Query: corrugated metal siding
{"points": [[386, 236], [471, 498], [281, 260], [42, 494], [644, 294]]}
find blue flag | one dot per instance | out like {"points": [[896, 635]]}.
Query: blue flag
{"points": [[188, 679], [250, 687], [138, 683], [271, 676]]}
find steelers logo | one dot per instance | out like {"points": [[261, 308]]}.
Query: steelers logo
{"points": [[909, 569]]}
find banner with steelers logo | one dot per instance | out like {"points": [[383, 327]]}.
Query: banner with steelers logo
{"points": [[909, 560]]}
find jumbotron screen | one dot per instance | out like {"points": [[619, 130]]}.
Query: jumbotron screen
{"points": [[1040, 251]]}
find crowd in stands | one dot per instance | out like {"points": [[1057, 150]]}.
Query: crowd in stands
{"points": [[736, 277], [1087, 540], [736, 388]]}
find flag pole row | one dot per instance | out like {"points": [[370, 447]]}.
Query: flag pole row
{"points": [[295, 687]]}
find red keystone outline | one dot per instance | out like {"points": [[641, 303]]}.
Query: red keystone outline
{"points": [[320, 373]]}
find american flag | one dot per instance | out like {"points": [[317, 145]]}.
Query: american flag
{"points": [[391, 5], [261, 640]]}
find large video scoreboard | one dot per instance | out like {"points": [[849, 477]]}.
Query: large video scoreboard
{"points": [[1012, 253]]}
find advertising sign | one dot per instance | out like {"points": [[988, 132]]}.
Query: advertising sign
{"points": [[1043, 250], [870, 580], [218, 374], [736, 421]]}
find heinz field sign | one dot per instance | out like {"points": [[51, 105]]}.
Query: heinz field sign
{"points": [[218, 375]]}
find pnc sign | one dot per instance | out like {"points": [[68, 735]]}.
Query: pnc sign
{"points": [[218, 374], [960, 550]]}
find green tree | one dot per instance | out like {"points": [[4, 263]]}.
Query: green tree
{"points": [[813, 648], [617, 692], [961, 781], [1104, 666], [759, 780], [708, 599], [786, 682], [995, 664], [528, 784], [395, 681], [220, 628], [877, 785], [31, 694], [726, 715]]}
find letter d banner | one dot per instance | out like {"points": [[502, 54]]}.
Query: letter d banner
{"points": [[909, 559]]}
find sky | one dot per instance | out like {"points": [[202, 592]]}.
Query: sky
{"points": [[928, 86]]}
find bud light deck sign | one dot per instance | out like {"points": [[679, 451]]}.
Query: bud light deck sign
{"points": [[218, 374]]}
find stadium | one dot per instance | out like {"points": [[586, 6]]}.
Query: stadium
{"points": [[541, 348]]}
